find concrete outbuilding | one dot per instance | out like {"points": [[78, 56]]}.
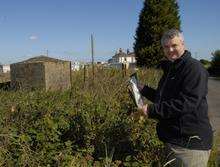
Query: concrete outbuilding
{"points": [[41, 72]]}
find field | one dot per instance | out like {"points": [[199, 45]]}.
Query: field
{"points": [[89, 125]]}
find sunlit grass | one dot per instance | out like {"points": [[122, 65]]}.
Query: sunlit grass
{"points": [[214, 160]]}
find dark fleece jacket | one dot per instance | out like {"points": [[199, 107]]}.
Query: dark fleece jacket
{"points": [[180, 104]]}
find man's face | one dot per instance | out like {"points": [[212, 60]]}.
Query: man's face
{"points": [[174, 48]]}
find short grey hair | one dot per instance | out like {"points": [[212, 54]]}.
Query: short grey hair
{"points": [[170, 34]]}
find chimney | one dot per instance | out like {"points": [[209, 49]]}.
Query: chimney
{"points": [[120, 50], [128, 51]]}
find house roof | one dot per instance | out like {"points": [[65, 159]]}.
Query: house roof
{"points": [[131, 54], [122, 54]]}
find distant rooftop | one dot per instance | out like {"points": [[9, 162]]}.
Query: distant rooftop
{"points": [[123, 54]]}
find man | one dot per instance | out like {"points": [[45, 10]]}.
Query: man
{"points": [[180, 105]]}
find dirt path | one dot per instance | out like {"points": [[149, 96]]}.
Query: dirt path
{"points": [[214, 103]]}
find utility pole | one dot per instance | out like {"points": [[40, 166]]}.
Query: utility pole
{"points": [[92, 50], [47, 52]]}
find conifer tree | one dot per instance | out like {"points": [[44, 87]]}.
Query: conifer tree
{"points": [[156, 17]]}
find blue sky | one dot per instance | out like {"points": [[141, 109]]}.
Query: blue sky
{"points": [[63, 27]]}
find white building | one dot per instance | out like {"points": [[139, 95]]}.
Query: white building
{"points": [[6, 68], [121, 57], [76, 66]]}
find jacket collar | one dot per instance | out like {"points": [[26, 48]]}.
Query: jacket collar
{"points": [[177, 63], [184, 57], [166, 64]]}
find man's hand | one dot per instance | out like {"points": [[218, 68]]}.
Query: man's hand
{"points": [[140, 86], [144, 110], [141, 113]]}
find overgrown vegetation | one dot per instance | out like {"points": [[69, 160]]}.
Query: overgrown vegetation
{"points": [[89, 125]]}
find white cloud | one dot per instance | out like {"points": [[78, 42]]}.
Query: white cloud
{"points": [[33, 37]]}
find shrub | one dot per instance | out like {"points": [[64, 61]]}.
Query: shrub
{"points": [[214, 69], [89, 125]]}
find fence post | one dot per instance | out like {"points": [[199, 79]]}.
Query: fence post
{"points": [[84, 74]]}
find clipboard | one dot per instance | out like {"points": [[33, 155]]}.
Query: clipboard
{"points": [[135, 91]]}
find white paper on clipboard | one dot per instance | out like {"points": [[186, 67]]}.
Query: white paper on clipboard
{"points": [[135, 91]]}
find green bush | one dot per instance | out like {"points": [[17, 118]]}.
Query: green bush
{"points": [[205, 63], [89, 125], [214, 69]]}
